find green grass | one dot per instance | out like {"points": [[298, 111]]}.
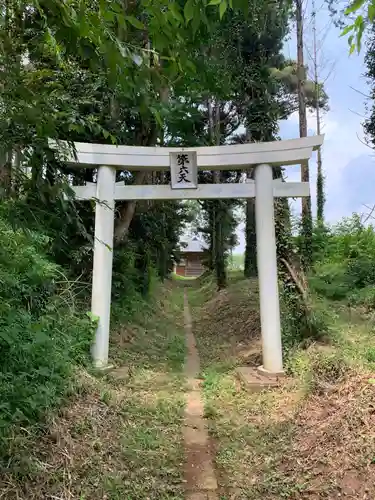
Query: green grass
{"points": [[178, 277], [117, 438]]}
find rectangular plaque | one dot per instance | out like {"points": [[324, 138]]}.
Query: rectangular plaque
{"points": [[184, 170]]}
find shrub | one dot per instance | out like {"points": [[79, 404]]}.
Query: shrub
{"points": [[27, 278], [329, 367], [331, 280], [303, 325], [41, 339], [347, 264], [364, 297], [67, 225], [370, 354], [361, 271], [37, 362]]}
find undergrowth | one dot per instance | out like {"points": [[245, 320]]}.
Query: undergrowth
{"points": [[45, 340], [344, 268], [42, 334], [117, 435], [301, 327]]}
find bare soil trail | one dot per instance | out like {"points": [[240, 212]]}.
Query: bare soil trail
{"points": [[199, 474]]}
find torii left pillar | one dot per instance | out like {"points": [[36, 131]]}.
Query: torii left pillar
{"points": [[103, 259]]}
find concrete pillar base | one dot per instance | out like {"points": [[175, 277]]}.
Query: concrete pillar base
{"points": [[254, 381], [266, 373], [104, 368]]}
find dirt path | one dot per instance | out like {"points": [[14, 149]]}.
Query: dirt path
{"points": [[200, 480]]}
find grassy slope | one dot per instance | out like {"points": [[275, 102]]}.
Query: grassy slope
{"points": [[119, 436], [314, 437]]}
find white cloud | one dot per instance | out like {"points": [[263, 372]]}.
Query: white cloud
{"points": [[328, 125], [342, 143]]}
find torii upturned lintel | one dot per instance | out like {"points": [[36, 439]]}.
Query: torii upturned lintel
{"points": [[226, 157]]}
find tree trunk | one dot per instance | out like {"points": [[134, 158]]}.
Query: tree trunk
{"points": [[5, 175], [320, 182], [220, 268], [320, 200], [212, 205], [250, 269], [6, 157], [306, 232], [126, 212], [301, 72]]}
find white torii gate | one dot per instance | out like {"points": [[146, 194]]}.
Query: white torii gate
{"points": [[105, 191]]}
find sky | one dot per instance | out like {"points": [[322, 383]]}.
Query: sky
{"points": [[348, 164]]}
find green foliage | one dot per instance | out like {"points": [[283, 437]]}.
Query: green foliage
{"points": [[364, 297], [41, 339], [370, 354], [306, 239], [250, 267], [331, 280], [26, 277], [360, 22], [219, 225], [345, 264], [302, 323], [320, 192], [304, 317], [67, 225]]}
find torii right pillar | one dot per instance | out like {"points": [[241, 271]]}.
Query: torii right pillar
{"points": [[267, 272]]}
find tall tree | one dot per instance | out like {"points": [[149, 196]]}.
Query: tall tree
{"points": [[320, 198], [258, 89], [270, 93], [93, 72], [369, 125], [306, 229]]}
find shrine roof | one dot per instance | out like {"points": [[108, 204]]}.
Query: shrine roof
{"points": [[193, 245]]}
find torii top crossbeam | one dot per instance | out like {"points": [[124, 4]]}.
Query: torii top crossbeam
{"points": [[232, 157]]}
